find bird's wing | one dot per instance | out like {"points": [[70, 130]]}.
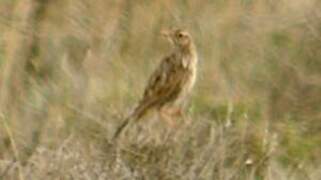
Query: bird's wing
{"points": [[164, 86], [165, 83]]}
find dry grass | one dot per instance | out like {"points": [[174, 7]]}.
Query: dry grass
{"points": [[69, 73]]}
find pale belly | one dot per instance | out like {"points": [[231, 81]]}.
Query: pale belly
{"points": [[186, 90]]}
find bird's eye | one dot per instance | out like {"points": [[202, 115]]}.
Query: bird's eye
{"points": [[180, 35]]}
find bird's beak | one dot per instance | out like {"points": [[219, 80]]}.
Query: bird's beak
{"points": [[165, 33]]}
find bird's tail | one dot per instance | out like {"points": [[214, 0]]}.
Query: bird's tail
{"points": [[138, 112]]}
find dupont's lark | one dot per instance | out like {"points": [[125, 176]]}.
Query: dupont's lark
{"points": [[171, 82]]}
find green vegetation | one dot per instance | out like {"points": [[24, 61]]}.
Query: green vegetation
{"points": [[70, 71]]}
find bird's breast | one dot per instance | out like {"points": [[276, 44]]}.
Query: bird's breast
{"points": [[190, 67]]}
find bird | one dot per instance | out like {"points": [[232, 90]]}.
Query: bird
{"points": [[171, 82]]}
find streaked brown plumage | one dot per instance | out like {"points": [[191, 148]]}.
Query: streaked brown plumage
{"points": [[172, 80]]}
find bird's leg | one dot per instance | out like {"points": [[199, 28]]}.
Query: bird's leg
{"points": [[178, 112], [166, 115]]}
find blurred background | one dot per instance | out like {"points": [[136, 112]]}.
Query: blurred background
{"points": [[70, 70]]}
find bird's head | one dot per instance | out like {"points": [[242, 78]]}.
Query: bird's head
{"points": [[178, 37]]}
